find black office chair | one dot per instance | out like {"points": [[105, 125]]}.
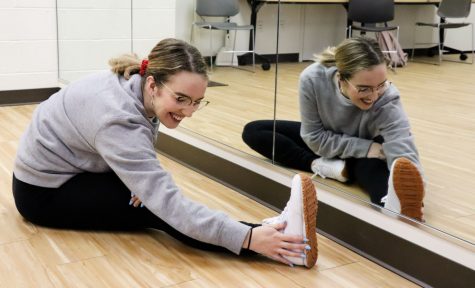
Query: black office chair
{"points": [[447, 9], [373, 16], [223, 9]]}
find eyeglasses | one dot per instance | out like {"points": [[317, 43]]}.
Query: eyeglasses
{"points": [[184, 101], [368, 91]]}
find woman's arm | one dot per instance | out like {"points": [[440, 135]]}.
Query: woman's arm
{"points": [[126, 145], [393, 125]]}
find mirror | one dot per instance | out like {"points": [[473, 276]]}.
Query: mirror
{"points": [[438, 100], [238, 95]]}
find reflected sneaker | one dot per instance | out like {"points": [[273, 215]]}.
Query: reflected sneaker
{"points": [[405, 189], [300, 213], [329, 168]]}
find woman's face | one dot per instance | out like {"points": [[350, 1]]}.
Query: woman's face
{"points": [[366, 86], [178, 98]]}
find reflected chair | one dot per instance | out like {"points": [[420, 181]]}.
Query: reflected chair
{"points": [[447, 9], [222, 9], [373, 16]]}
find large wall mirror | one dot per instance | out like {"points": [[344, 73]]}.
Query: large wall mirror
{"points": [[238, 94], [437, 99]]}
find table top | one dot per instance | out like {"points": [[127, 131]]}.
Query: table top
{"points": [[346, 1]]}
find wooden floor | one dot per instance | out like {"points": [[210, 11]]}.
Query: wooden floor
{"points": [[439, 101], [32, 256]]}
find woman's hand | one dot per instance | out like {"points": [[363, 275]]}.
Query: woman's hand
{"points": [[376, 151], [135, 201], [268, 241]]}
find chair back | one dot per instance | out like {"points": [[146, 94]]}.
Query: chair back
{"points": [[217, 8], [371, 11], [454, 8]]}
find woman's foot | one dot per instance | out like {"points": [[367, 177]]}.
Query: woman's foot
{"points": [[330, 168], [405, 189], [300, 213]]}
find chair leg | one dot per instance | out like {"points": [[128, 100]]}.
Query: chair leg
{"points": [[438, 46], [443, 43], [397, 42], [413, 43], [234, 48], [254, 49], [471, 25], [210, 49]]}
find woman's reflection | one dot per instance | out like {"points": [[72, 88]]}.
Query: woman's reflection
{"points": [[353, 128]]}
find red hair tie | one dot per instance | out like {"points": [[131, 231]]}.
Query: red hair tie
{"points": [[143, 67]]}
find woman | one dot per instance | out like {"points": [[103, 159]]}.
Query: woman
{"points": [[87, 159], [353, 128]]}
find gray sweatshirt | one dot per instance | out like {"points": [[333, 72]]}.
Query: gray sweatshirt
{"points": [[332, 126], [98, 124]]}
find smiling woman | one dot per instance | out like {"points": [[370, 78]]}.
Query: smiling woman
{"points": [[88, 160], [353, 128]]}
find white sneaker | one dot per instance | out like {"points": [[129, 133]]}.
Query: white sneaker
{"points": [[300, 213], [405, 189], [331, 168]]}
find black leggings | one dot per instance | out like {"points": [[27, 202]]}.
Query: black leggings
{"points": [[291, 151], [93, 201]]}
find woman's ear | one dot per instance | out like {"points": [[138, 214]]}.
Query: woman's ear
{"points": [[149, 85], [150, 82]]}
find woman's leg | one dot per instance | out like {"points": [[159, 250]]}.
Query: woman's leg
{"points": [[91, 201], [290, 149], [371, 174]]}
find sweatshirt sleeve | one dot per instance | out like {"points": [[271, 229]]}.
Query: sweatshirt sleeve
{"points": [[127, 147], [394, 127], [323, 142]]}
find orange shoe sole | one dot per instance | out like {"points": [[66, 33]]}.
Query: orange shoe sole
{"points": [[310, 207], [409, 188]]}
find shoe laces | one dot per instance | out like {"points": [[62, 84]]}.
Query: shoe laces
{"points": [[323, 170], [279, 218], [284, 213]]}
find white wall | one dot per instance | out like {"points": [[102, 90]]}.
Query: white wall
{"points": [[184, 17], [27, 44], [92, 32]]}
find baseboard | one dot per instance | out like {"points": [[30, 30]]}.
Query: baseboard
{"points": [[432, 51], [246, 59], [26, 96], [414, 262]]}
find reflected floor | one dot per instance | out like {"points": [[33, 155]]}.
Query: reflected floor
{"points": [[438, 100]]}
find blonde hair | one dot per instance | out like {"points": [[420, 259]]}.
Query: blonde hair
{"points": [[166, 59], [352, 56]]}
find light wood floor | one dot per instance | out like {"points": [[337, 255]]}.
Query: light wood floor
{"points": [[32, 256], [439, 101]]}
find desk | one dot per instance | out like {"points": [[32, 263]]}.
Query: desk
{"points": [[346, 1], [257, 4]]}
